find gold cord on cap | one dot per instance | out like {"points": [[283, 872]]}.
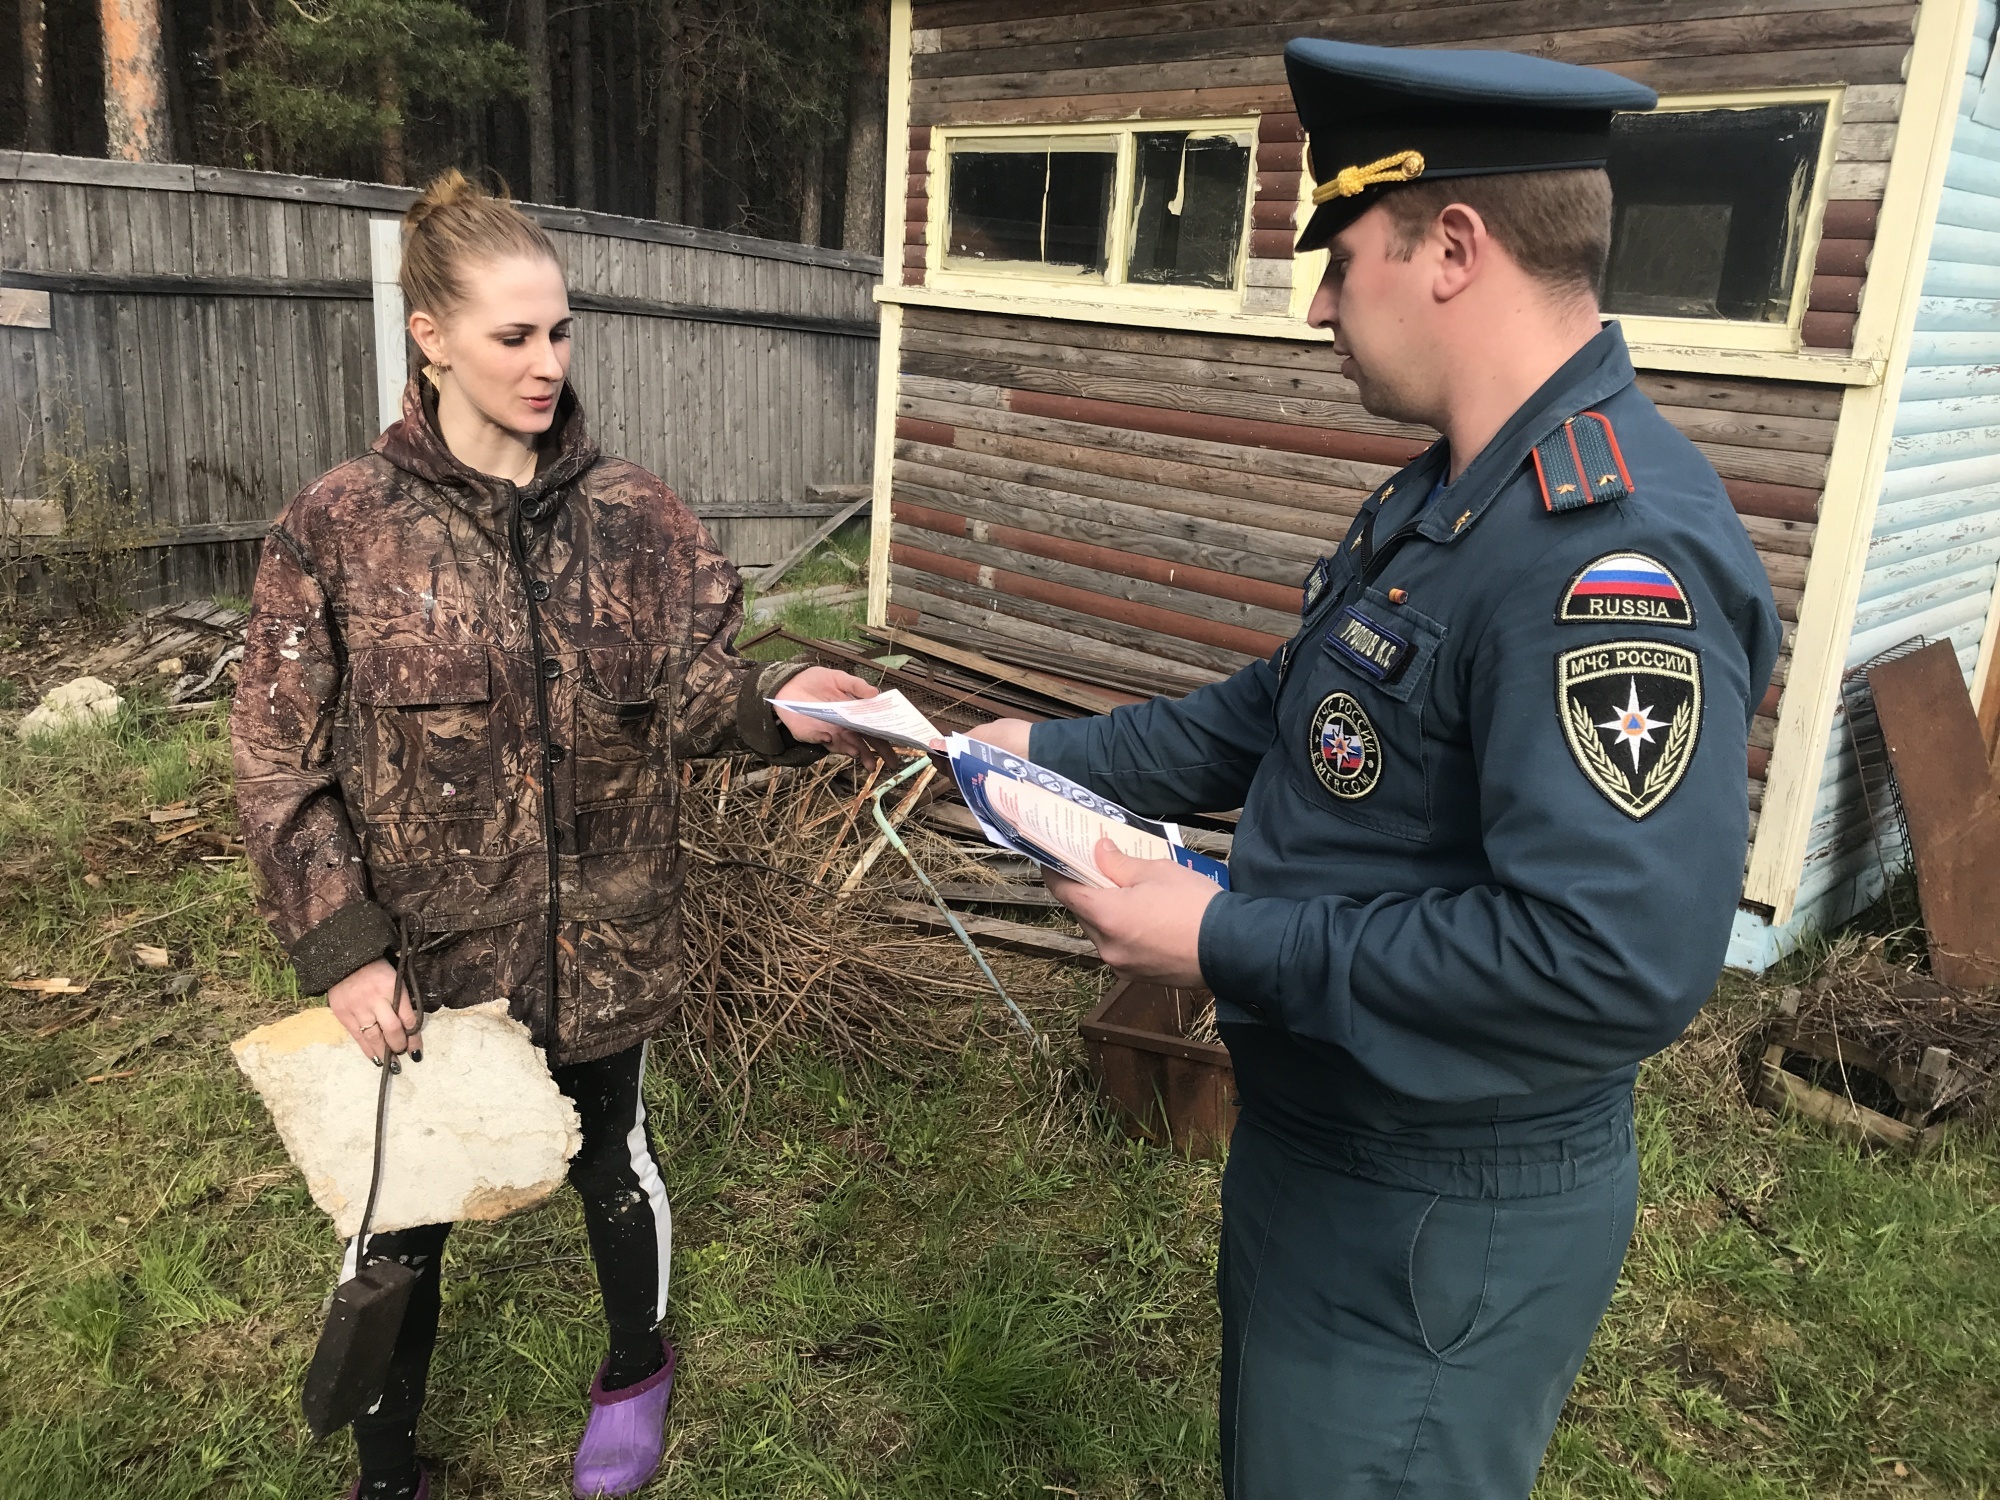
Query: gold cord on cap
{"points": [[1404, 166]]}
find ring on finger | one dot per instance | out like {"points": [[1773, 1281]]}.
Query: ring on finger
{"points": [[373, 1026]]}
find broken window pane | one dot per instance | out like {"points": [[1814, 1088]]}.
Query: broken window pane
{"points": [[1048, 206], [1187, 208], [1710, 210]]}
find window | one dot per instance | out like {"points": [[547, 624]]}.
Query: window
{"points": [[1714, 208], [1148, 206], [1187, 208], [1034, 205]]}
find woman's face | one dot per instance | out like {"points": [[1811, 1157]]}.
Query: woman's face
{"points": [[507, 345]]}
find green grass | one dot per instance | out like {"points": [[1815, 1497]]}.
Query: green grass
{"points": [[960, 1282], [841, 560]]}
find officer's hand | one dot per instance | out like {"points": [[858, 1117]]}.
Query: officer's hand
{"points": [[1148, 928], [1010, 735], [825, 685]]}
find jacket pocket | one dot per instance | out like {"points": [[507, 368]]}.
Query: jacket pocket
{"points": [[424, 732], [622, 764], [1357, 715], [621, 749], [1389, 647]]}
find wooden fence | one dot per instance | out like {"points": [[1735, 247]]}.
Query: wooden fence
{"points": [[216, 339]]}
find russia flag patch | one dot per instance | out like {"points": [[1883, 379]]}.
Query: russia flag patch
{"points": [[1625, 586]]}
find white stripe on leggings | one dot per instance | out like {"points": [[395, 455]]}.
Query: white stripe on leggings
{"points": [[648, 1172]]}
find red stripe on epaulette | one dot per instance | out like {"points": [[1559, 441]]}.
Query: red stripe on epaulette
{"points": [[1611, 442], [1576, 456], [1542, 479], [1559, 473], [1569, 480]]}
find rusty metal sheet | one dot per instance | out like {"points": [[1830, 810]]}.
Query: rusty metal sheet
{"points": [[1952, 806]]}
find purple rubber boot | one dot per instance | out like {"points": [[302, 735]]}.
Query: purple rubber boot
{"points": [[423, 1486], [627, 1434]]}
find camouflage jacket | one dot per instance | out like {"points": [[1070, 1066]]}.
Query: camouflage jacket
{"points": [[463, 711]]}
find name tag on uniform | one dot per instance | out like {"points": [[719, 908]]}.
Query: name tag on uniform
{"points": [[1315, 584], [1375, 650]]}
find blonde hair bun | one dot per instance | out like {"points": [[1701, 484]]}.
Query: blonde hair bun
{"points": [[453, 223]]}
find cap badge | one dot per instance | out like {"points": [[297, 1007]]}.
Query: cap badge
{"points": [[1404, 166]]}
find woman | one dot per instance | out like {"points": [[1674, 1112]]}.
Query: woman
{"points": [[477, 655]]}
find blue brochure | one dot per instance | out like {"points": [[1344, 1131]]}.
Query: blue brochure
{"points": [[1032, 810]]}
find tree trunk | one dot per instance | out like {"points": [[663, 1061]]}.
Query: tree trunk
{"points": [[180, 127], [583, 148], [867, 124], [812, 189], [736, 161], [668, 122], [389, 99], [694, 178], [541, 103], [35, 74], [135, 82]]}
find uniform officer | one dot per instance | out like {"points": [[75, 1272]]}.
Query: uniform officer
{"points": [[1494, 806]]}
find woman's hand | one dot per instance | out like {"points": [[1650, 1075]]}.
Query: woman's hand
{"points": [[362, 1001], [825, 685]]}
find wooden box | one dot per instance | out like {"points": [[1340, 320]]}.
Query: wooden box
{"points": [[1166, 1088], [1850, 1064]]}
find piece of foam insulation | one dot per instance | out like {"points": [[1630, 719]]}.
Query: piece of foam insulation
{"points": [[477, 1130]]}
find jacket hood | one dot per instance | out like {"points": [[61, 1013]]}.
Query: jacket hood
{"points": [[414, 444]]}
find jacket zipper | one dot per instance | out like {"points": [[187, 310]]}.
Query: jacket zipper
{"points": [[518, 549]]}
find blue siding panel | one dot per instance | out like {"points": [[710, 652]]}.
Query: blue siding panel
{"points": [[1925, 414]]}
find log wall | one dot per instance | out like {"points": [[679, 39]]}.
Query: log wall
{"points": [[1039, 62], [1154, 495], [1157, 498]]}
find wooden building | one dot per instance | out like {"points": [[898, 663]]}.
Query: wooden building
{"points": [[1106, 438]]}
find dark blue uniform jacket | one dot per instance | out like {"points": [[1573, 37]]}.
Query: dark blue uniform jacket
{"points": [[1494, 791]]}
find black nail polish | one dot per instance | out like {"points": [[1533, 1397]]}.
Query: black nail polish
{"points": [[376, 1060], [415, 1055]]}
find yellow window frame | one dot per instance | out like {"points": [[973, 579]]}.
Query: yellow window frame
{"points": [[1737, 334], [947, 273], [1719, 335]]}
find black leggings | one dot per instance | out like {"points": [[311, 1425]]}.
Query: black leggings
{"points": [[617, 1173]]}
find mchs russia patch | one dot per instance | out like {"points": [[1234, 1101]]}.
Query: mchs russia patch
{"points": [[1345, 751], [1631, 711], [1625, 586]]}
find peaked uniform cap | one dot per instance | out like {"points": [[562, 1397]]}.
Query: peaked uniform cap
{"points": [[1378, 117]]}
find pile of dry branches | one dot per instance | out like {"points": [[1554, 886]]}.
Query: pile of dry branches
{"points": [[776, 953], [1898, 1012]]}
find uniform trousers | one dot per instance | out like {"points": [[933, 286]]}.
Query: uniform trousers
{"points": [[625, 1212], [1410, 1326]]}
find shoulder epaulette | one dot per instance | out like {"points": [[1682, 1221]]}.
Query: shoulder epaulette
{"points": [[1579, 464]]}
